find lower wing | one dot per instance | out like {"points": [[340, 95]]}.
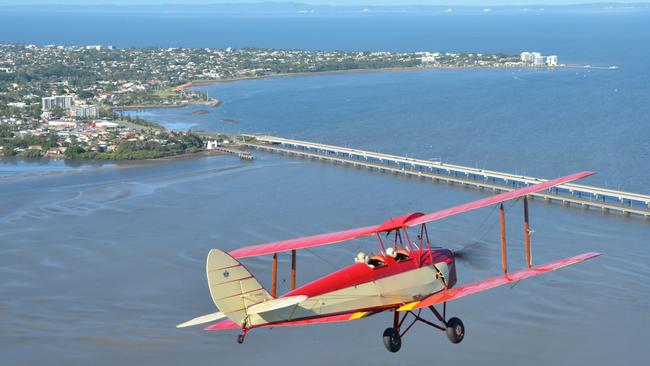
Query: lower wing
{"points": [[472, 288], [228, 324]]}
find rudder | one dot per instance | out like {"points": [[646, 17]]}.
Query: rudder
{"points": [[232, 287]]}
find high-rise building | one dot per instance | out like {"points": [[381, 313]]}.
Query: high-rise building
{"points": [[538, 59], [63, 101], [551, 60], [526, 57], [84, 111], [48, 103]]}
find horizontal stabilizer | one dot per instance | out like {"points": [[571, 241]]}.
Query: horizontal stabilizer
{"points": [[279, 303], [476, 287], [202, 319]]}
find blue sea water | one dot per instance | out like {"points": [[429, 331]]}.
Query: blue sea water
{"points": [[535, 122], [98, 264]]}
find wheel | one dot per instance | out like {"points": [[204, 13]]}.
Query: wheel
{"points": [[392, 340], [240, 339], [455, 330]]}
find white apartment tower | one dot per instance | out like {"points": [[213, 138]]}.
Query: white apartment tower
{"points": [[84, 111], [63, 101]]}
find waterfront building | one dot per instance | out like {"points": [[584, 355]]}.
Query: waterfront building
{"points": [[538, 59], [551, 60], [84, 111], [526, 57], [63, 101]]}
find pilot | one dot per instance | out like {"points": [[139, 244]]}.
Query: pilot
{"points": [[361, 258], [390, 252]]}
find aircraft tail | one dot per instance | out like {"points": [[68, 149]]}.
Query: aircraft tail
{"points": [[232, 287]]}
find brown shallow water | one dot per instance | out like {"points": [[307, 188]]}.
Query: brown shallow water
{"points": [[100, 265]]}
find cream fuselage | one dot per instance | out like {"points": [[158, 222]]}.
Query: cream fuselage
{"points": [[361, 288]]}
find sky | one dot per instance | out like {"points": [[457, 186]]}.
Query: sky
{"points": [[319, 2]]}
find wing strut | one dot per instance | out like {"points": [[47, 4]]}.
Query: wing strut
{"points": [[529, 260], [502, 220]]}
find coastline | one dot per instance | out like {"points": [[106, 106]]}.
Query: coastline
{"points": [[217, 102], [204, 82], [174, 157], [214, 103]]}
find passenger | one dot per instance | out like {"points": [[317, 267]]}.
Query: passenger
{"points": [[376, 261], [390, 252], [361, 258], [402, 255]]}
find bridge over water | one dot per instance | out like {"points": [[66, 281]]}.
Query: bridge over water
{"points": [[609, 200]]}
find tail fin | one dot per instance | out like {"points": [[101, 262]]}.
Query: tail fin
{"points": [[232, 287]]}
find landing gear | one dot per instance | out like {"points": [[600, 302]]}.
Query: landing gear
{"points": [[242, 336], [453, 327], [392, 340], [455, 330]]}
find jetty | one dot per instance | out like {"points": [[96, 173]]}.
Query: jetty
{"points": [[243, 155], [570, 194]]}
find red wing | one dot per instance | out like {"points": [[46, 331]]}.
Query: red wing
{"points": [[496, 199], [301, 243], [396, 223], [480, 286], [326, 319], [229, 324]]}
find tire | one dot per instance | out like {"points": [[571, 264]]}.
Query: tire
{"points": [[455, 330], [240, 339], [392, 340]]}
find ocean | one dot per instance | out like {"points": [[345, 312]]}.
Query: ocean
{"points": [[100, 261]]}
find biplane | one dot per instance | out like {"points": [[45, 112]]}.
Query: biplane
{"points": [[406, 276]]}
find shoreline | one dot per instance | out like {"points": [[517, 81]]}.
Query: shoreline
{"points": [[204, 82], [45, 159], [214, 103], [218, 102]]}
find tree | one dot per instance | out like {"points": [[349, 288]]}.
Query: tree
{"points": [[32, 154], [57, 111], [73, 151], [84, 94]]}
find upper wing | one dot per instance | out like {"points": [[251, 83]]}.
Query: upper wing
{"points": [[496, 199], [407, 220], [306, 242], [472, 288]]}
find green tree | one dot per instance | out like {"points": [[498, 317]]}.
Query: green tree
{"points": [[73, 151], [32, 154]]}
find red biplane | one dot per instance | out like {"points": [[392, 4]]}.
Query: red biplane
{"points": [[405, 277]]}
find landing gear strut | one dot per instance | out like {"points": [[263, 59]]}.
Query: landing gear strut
{"points": [[453, 327]]}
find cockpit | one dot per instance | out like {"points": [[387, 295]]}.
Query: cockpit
{"points": [[377, 261]]}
